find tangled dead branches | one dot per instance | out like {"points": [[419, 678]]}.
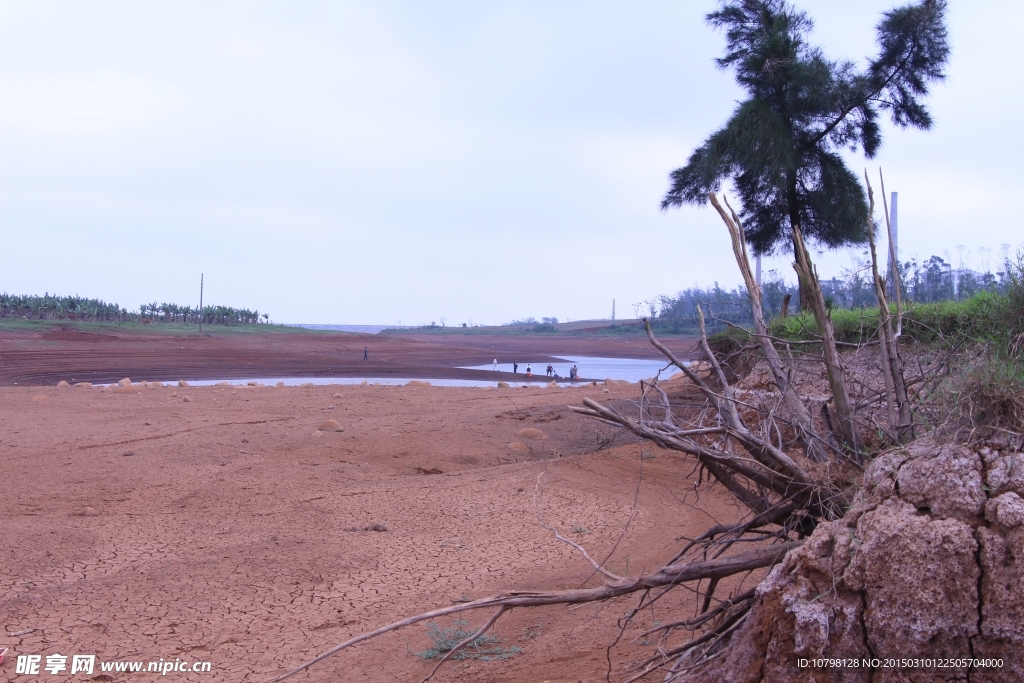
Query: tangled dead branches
{"points": [[789, 459]]}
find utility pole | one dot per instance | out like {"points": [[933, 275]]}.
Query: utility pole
{"points": [[200, 303]]}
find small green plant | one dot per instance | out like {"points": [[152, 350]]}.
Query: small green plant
{"points": [[445, 639], [646, 455], [580, 530]]}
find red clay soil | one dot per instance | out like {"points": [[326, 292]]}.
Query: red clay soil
{"points": [[220, 524], [49, 354]]}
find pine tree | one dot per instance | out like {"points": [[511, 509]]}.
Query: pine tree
{"points": [[780, 146]]}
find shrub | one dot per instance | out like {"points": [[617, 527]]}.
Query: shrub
{"points": [[447, 638]]}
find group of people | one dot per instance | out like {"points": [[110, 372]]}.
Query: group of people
{"points": [[550, 371]]}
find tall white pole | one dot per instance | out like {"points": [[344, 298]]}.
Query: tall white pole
{"points": [[894, 248]]}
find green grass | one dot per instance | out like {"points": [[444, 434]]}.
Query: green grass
{"points": [[485, 647], [984, 317]]}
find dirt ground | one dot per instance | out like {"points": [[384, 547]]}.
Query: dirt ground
{"points": [[46, 353], [220, 524]]}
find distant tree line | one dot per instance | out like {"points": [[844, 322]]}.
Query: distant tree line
{"points": [[533, 321], [927, 281], [52, 307]]}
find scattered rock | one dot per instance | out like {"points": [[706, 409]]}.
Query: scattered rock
{"points": [[1006, 510], [126, 382], [616, 382], [336, 396], [251, 384], [531, 433], [518, 447], [223, 384], [307, 385], [504, 385], [186, 399], [182, 383], [376, 526], [40, 397], [432, 470], [279, 384], [63, 385], [83, 385], [154, 385], [553, 384], [417, 383], [330, 426], [89, 511]]}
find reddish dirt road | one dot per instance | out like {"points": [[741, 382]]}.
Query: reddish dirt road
{"points": [[227, 528], [102, 354]]}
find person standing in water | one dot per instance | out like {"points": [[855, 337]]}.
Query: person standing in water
{"points": [[366, 353], [495, 364], [515, 367]]}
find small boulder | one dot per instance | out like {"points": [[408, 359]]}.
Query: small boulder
{"points": [[126, 382], [83, 385], [307, 385], [531, 433], [186, 399], [89, 511], [63, 385], [504, 385], [417, 383], [182, 383], [154, 385], [1006, 510], [330, 426], [518, 447], [336, 396]]}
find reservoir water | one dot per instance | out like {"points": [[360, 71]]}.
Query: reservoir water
{"points": [[629, 369]]}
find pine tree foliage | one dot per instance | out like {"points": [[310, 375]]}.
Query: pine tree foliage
{"points": [[780, 148]]}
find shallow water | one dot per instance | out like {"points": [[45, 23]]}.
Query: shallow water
{"points": [[593, 368], [629, 369]]}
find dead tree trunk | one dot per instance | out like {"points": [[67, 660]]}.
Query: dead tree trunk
{"points": [[901, 420], [800, 415]]}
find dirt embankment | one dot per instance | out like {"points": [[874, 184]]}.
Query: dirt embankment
{"points": [[928, 564], [48, 354]]}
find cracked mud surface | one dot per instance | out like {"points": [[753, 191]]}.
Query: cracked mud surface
{"points": [[230, 529]]}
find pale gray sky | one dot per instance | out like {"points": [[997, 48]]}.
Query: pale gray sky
{"points": [[376, 162]]}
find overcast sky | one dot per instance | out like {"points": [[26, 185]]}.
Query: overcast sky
{"points": [[385, 162]]}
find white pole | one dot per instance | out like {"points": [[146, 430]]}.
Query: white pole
{"points": [[894, 248]]}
